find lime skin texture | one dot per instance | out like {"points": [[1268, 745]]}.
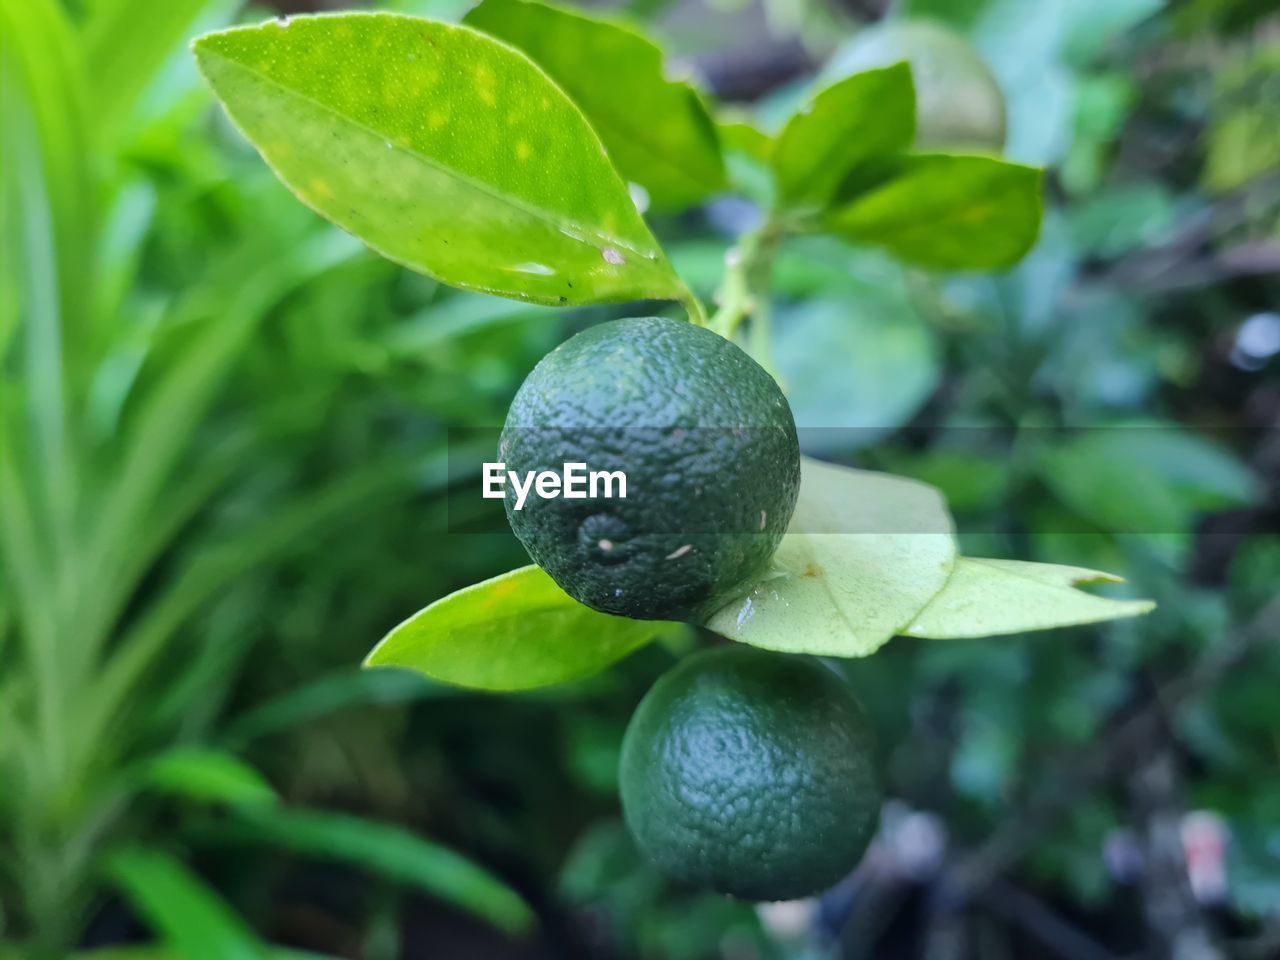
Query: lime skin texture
{"points": [[708, 445], [751, 773]]}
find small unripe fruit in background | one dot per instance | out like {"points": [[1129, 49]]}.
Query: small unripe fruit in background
{"points": [[959, 105]]}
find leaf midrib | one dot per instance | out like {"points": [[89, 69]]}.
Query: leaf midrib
{"points": [[602, 240]]}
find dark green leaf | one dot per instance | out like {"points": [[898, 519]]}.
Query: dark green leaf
{"points": [[948, 211], [153, 952], [1146, 479], [442, 149], [514, 632], [862, 117], [657, 131], [328, 694], [391, 852], [192, 920]]}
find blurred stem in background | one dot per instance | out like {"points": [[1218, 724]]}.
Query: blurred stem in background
{"points": [[167, 355]]}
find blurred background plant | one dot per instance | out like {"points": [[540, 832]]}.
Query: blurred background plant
{"points": [[225, 467]]}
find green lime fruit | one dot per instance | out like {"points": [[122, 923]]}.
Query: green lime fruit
{"points": [[751, 773], [958, 101], [706, 443]]}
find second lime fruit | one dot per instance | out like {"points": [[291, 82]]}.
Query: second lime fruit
{"points": [[751, 773]]}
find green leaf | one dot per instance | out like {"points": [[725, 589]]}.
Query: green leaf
{"points": [[865, 552], [191, 919], [1244, 132], [737, 132], [152, 952], [48, 210], [1144, 478], [988, 597], [657, 131], [959, 13], [207, 775], [123, 59], [442, 149], [514, 632], [220, 562], [138, 506], [948, 211], [863, 117], [328, 694], [390, 852]]}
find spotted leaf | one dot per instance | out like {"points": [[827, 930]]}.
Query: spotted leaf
{"points": [[657, 130], [443, 150]]}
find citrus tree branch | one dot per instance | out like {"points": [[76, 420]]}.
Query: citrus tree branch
{"points": [[744, 293]]}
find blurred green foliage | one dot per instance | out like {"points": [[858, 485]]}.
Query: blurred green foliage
{"points": [[224, 463]]}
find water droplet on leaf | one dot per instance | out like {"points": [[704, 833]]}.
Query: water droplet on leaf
{"points": [[639, 197]]}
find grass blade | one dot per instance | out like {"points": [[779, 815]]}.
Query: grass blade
{"points": [[194, 922], [391, 852]]}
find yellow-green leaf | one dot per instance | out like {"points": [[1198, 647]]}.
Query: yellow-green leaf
{"points": [[864, 553], [514, 632], [441, 148], [988, 597], [657, 131], [737, 132]]}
